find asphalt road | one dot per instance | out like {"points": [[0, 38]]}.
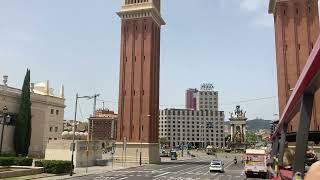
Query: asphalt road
{"points": [[192, 169]]}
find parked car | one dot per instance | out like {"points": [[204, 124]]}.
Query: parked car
{"points": [[164, 154], [216, 165]]}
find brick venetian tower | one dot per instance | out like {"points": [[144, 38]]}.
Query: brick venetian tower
{"points": [[139, 82], [296, 31]]}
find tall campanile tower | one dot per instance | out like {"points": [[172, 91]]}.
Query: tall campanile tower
{"points": [[296, 31], [137, 128]]}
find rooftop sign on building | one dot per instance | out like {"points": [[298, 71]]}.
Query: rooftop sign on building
{"points": [[206, 87]]}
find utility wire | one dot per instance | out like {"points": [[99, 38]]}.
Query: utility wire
{"points": [[182, 105]]}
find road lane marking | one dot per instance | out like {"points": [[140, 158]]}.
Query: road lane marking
{"points": [[123, 178], [169, 167], [161, 175], [229, 164]]}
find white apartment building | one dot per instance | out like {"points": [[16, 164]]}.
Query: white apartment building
{"points": [[207, 100], [198, 128], [201, 127]]}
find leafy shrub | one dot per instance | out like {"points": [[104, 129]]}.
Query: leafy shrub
{"points": [[23, 161], [7, 155], [54, 166], [15, 161], [7, 161]]}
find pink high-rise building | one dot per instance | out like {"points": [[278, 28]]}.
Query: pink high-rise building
{"points": [[191, 101]]}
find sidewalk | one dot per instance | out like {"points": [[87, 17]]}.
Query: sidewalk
{"points": [[78, 172]]}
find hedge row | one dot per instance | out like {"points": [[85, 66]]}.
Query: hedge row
{"points": [[53, 166], [15, 161]]}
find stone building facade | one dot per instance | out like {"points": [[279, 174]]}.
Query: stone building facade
{"points": [[103, 126], [47, 116], [296, 25]]}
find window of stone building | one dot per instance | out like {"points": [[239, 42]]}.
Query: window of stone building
{"points": [[50, 129], [57, 112], [50, 138], [56, 129], [55, 138], [52, 111]]}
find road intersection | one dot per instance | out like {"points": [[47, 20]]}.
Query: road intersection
{"points": [[189, 169]]}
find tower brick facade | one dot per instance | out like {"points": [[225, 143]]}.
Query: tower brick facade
{"points": [[296, 25], [139, 73]]}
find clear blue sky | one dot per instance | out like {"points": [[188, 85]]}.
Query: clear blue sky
{"points": [[229, 43]]}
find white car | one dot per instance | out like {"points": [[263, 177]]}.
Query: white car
{"points": [[216, 165]]}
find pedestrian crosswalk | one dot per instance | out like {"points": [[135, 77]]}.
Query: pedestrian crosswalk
{"points": [[195, 169]]}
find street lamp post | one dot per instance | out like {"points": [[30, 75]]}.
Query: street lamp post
{"points": [[74, 130], [4, 119], [141, 139]]}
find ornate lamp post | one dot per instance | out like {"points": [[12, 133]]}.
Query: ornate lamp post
{"points": [[4, 119]]}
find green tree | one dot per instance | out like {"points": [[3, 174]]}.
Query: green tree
{"points": [[22, 133], [163, 141]]}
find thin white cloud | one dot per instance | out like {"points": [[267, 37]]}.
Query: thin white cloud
{"points": [[264, 20], [258, 9], [251, 5]]}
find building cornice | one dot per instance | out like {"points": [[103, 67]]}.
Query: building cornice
{"points": [[35, 98], [135, 11], [272, 5]]}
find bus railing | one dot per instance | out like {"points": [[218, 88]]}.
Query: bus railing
{"points": [[301, 100]]}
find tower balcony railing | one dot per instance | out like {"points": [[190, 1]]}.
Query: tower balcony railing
{"points": [[301, 100]]}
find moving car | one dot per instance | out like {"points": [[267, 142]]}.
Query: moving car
{"points": [[216, 165], [210, 150]]}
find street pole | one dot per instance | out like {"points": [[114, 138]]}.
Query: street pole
{"points": [[2, 134], [95, 103], [5, 109], [73, 137]]}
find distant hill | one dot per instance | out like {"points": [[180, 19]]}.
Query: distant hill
{"points": [[255, 124]]}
